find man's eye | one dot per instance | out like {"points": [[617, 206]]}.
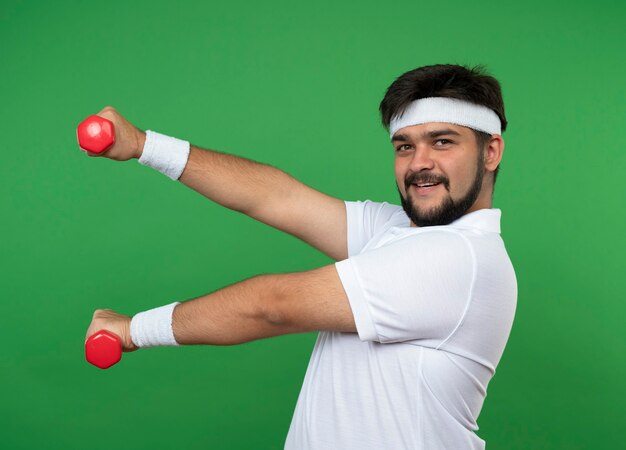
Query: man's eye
{"points": [[403, 147], [443, 141]]}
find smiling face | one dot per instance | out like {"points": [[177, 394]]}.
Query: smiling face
{"points": [[440, 170]]}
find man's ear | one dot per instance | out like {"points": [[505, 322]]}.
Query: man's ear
{"points": [[493, 152]]}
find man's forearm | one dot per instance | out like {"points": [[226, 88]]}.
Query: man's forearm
{"points": [[235, 182], [232, 315]]}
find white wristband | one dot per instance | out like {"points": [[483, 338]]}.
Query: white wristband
{"points": [[153, 328], [166, 154]]}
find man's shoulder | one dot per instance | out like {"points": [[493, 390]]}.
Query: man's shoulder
{"points": [[377, 213], [367, 220]]}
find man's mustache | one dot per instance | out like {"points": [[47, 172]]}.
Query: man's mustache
{"points": [[421, 178]]}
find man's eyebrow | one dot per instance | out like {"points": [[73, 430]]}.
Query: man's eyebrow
{"points": [[429, 134], [399, 137], [437, 133]]}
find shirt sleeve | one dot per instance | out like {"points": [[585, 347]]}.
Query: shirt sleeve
{"points": [[365, 219], [417, 287]]}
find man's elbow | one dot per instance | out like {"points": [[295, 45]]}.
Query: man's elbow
{"points": [[270, 308], [277, 305]]}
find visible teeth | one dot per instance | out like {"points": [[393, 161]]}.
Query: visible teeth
{"points": [[427, 184]]}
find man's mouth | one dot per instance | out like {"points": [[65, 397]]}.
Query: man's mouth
{"points": [[425, 188]]}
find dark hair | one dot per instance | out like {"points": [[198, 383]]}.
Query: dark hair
{"points": [[471, 84]]}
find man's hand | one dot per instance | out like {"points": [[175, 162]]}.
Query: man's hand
{"points": [[119, 324], [129, 140]]}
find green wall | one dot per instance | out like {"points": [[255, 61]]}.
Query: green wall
{"points": [[296, 85]]}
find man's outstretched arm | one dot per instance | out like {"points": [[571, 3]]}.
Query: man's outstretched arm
{"points": [[259, 190], [266, 306], [271, 196], [259, 307]]}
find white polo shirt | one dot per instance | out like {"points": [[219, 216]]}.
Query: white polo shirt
{"points": [[433, 308]]}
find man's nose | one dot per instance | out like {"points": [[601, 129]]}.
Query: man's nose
{"points": [[422, 159]]}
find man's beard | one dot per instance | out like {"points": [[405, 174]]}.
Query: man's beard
{"points": [[450, 210]]}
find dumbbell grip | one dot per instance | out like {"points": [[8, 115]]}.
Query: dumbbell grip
{"points": [[103, 349], [95, 134]]}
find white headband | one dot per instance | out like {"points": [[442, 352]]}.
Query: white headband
{"points": [[449, 110]]}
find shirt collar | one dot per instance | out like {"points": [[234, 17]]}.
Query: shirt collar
{"points": [[487, 219]]}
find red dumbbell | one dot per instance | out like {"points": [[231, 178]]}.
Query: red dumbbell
{"points": [[95, 134], [103, 349]]}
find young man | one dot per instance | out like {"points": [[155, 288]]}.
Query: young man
{"points": [[414, 315]]}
